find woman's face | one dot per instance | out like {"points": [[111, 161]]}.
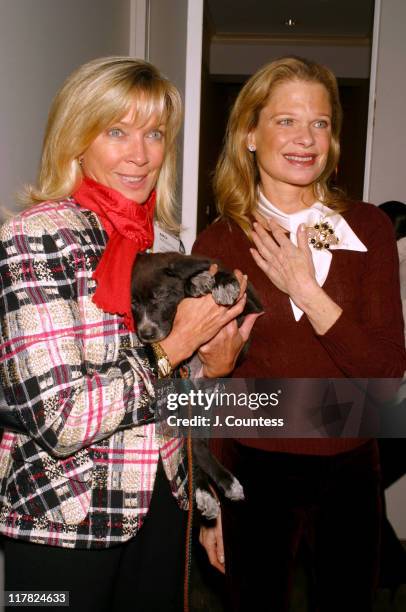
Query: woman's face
{"points": [[293, 136], [127, 157]]}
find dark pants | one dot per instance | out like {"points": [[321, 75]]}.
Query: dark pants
{"points": [[144, 574], [329, 504]]}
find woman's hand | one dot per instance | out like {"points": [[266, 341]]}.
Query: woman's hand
{"points": [[291, 269], [211, 538], [218, 356], [197, 321]]}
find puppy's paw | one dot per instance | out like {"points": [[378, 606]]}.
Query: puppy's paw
{"points": [[226, 289], [207, 504], [201, 284], [235, 492]]}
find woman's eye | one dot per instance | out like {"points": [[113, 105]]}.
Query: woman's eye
{"points": [[285, 121], [115, 132], [321, 124], [155, 135]]}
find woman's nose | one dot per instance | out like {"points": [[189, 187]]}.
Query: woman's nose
{"points": [[304, 135], [137, 151]]}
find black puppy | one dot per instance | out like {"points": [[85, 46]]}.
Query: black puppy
{"points": [[159, 282]]}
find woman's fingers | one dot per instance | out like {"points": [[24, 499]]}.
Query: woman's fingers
{"points": [[211, 538], [243, 280], [199, 320], [248, 324], [234, 311], [261, 219], [303, 241], [220, 354], [265, 245], [279, 233], [265, 237], [220, 543], [265, 265], [213, 269], [272, 248], [279, 241]]}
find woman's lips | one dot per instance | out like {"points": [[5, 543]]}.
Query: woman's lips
{"points": [[133, 182], [300, 160]]}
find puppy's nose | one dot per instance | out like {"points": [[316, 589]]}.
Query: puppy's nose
{"points": [[147, 334]]}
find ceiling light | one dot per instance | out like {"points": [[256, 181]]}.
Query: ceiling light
{"points": [[290, 22]]}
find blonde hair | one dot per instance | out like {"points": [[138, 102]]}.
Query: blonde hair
{"points": [[236, 178], [92, 98]]}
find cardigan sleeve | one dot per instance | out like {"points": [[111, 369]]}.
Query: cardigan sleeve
{"points": [[373, 345], [68, 370]]}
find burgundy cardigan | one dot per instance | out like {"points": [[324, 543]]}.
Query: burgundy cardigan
{"points": [[366, 341]]}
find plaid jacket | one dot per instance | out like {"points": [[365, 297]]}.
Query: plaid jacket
{"points": [[82, 387]]}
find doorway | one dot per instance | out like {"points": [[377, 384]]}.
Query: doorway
{"points": [[346, 52]]}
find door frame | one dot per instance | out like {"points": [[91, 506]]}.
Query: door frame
{"points": [[372, 99]]}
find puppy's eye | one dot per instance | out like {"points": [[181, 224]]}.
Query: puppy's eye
{"points": [[160, 294]]}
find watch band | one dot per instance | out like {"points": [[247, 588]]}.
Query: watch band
{"points": [[165, 368]]}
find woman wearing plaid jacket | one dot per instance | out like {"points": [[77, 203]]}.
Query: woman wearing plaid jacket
{"points": [[89, 470]]}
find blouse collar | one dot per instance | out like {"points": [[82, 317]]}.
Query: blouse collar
{"points": [[337, 228]]}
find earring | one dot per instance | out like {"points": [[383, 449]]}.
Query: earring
{"points": [[80, 161], [251, 148]]}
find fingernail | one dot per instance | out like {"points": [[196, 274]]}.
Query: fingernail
{"points": [[302, 227], [245, 277], [221, 558]]}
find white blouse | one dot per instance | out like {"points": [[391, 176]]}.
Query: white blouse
{"points": [[342, 236]]}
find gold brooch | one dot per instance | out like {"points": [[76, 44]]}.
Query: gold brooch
{"points": [[321, 235]]}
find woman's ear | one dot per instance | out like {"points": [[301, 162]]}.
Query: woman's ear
{"points": [[251, 145]]}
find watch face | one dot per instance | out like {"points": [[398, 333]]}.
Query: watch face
{"points": [[164, 366]]}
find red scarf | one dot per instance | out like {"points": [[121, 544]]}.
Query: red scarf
{"points": [[130, 228]]}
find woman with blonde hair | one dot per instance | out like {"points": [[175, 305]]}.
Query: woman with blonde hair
{"points": [[92, 497], [326, 272]]}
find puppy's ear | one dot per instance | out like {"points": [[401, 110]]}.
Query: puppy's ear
{"points": [[186, 266]]}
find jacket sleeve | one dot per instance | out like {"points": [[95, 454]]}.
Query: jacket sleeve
{"points": [[372, 346], [69, 371]]}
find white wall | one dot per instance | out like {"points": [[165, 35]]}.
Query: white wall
{"points": [[41, 42], [167, 39], [387, 176], [238, 58]]}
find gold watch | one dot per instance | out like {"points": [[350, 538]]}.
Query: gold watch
{"points": [[165, 368]]}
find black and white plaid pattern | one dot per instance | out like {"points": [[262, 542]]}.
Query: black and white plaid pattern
{"points": [[82, 387]]}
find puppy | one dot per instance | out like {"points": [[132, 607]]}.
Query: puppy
{"points": [[159, 282]]}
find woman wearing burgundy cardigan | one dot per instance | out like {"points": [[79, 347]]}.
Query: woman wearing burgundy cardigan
{"points": [[332, 309]]}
